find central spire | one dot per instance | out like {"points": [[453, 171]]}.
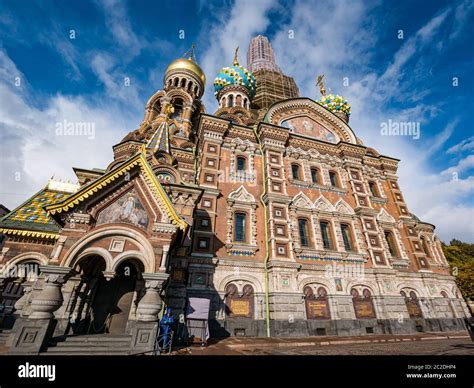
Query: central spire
{"points": [[160, 141]]}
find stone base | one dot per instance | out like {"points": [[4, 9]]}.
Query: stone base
{"points": [[31, 336], [343, 327], [143, 336]]}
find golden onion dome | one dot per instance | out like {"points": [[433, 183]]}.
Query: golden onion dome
{"points": [[187, 64]]}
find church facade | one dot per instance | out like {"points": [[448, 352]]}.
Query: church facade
{"points": [[271, 207]]}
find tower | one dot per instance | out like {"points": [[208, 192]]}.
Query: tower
{"points": [[234, 88], [273, 85]]}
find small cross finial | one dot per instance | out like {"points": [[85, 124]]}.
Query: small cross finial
{"points": [[319, 82], [191, 52], [236, 57]]}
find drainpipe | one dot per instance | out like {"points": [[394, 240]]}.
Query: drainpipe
{"points": [[267, 242]]}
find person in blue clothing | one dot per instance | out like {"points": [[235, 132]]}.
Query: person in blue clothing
{"points": [[166, 324]]}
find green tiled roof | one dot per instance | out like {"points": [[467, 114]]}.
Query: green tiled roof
{"points": [[30, 215]]}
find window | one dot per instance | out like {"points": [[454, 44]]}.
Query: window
{"points": [[325, 234], [231, 101], [295, 169], [239, 227], [314, 175], [303, 229], [333, 179], [346, 236], [373, 189], [240, 163], [391, 243], [205, 222]]}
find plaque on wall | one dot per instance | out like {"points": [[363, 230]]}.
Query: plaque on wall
{"points": [[364, 308], [240, 307], [413, 309], [317, 309], [317, 306]]}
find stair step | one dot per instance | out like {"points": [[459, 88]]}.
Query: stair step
{"points": [[111, 345], [85, 351], [92, 340], [86, 348]]}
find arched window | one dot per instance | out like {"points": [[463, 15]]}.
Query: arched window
{"points": [[326, 234], [183, 82], [295, 170], [413, 305], [424, 245], [178, 108], [239, 306], [347, 237], [189, 86], [176, 82], [317, 306], [245, 103], [373, 189], [363, 305], [241, 161], [392, 247], [230, 100], [303, 232], [333, 179], [314, 175], [196, 90], [238, 100], [239, 227]]}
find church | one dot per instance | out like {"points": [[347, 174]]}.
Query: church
{"points": [[271, 207]]}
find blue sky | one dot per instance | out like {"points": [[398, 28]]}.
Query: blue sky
{"points": [[426, 78]]}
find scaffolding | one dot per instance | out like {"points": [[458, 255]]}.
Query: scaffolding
{"points": [[272, 87]]}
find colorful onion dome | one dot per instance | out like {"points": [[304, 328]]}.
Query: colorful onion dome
{"points": [[335, 103], [235, 75]]}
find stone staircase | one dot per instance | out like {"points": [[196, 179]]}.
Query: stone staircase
{"points": [[99, 344]]}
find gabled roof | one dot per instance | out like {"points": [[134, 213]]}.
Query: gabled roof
{"points": [[30, 219], [100, 183]]}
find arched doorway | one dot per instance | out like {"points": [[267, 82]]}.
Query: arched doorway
{"points": [[103, 305]]}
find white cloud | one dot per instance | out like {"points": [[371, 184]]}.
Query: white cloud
{"points": [[246, 19], [33, 150], [119, 25], [464, 145], [321, 47], [463, 165]]}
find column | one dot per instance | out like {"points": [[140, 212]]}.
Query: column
{"points": [[32, 333], [146, 327]]}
